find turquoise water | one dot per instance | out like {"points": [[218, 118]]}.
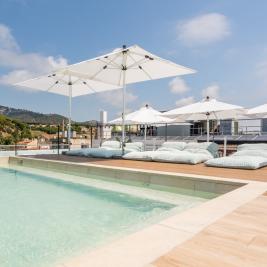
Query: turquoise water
{"points": [[46, 220]]}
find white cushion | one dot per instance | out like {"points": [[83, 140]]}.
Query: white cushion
{"points": [[174, 145], [198, 150], [111, 144], [252, 147], [146, 155], [240, 162], [257, 153], [170, 149], [134, 146], [181, 157], [210, 146]]}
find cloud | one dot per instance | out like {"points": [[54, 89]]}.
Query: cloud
{"points": [[7, 41], [21, 65], [14, 76], [204, 29], [114, 98], [178, 86], [185, 101], [212, 91]]}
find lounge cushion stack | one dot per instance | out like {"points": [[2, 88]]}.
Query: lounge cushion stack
{"points": [[109, 149], [248, 156], [178, 152]]}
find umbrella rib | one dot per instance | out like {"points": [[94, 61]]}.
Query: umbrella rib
{"points": [[50, 87], [161, 60], [147, 74], [111, 62], [104, 67], [89, 86], [56, 78], [142, 55], [140, 67], [136, 63]]}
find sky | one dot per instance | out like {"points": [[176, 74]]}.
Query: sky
{"points": [[225, 41]]}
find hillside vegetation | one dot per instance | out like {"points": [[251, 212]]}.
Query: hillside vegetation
{"points": [[13, 131]]}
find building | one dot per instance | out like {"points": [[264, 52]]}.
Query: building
{"points": [[105, 131]]}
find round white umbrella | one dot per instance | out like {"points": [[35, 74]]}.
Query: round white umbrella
{"points": [[206, 109], [258, 111], [145, 115], [128, 65], [64, 82]]}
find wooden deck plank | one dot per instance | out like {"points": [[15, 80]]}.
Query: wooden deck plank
{"points": [[200, 169], [237, 240]]}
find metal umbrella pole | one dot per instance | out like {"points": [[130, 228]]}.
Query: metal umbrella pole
{"points": [[166, 133], [123, 68], [145, 137], [208, 126], [58, 140], [70, 107]]}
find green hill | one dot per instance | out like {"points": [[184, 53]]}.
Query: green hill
{"points": [[30, 116]]}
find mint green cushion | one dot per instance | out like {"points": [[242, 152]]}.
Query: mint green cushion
{"points": [[76, 152], [106, 153], [239, 162]]}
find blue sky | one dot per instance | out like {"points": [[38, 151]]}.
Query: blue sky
{"points": [[225, 41]]}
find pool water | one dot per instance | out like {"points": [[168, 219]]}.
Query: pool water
{"points": [[44, 220]]}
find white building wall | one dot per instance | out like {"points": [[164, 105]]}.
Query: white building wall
{"points": [[105, 131], [250, 126]]}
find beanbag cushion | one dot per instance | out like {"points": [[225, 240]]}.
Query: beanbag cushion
{"points": [[252, 147], [182, 157], [240, 162], [174, 145], [257, 153], [146, 155], [210, 146], [111, 144], [134, 146]]}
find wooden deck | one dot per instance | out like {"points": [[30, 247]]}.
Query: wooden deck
{"points": [[200, 169], [237, 240]]}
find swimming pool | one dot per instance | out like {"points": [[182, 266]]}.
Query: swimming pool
{"points": [[45, 220]]}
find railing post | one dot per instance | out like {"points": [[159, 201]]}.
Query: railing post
{"points": [[224, 145], [58, 140], [91, 136], [16, 152]]}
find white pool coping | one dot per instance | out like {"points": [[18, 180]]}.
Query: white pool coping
{"points": [[143, 247]]}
